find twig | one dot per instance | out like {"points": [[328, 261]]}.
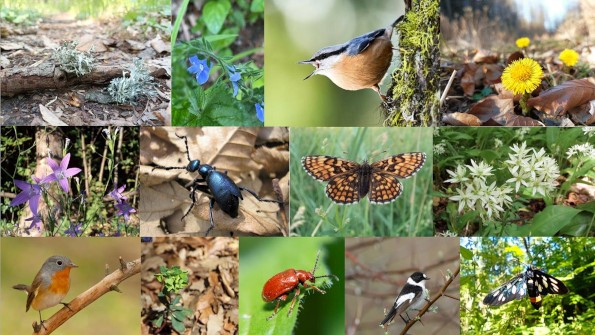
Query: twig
{"points": [[109, 283], [431, 302], [447, 88]]}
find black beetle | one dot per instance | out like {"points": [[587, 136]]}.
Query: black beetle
{"points": [[216, 184]]}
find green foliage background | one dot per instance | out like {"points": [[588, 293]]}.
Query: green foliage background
{"points": [[408, 215], [487, 263]]}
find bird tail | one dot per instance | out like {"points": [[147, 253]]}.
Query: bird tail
{"points": [[391, 315], [21, 287]]}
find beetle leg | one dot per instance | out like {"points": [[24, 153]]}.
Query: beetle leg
{"points": [[314, 287], [257, 197], [279, 299], [195, 187], [297, 293], [211, 215]]}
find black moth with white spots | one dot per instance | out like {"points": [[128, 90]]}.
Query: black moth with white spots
{"points": [[532, 282]]}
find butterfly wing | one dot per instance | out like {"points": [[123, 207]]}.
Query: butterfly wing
{"points": [[323, 168], [540, 283], [401, 166], [384, 188], [344, 188], [516, 288]]}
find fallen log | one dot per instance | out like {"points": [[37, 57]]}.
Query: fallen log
{"points": [[48, 76]]}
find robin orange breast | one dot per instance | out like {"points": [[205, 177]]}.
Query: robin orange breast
{"points": [[50, 286]]}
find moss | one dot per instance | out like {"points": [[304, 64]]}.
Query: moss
{"points": [[414, 87]]}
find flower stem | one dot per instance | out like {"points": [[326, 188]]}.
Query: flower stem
{"points": [[523, 103]]}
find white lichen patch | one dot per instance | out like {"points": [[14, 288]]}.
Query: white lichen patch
{"points": [[138, 83], [73, 61]]}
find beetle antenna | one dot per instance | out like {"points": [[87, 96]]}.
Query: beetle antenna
{"points": [[332, 276], [316, 263], [185, 138]]}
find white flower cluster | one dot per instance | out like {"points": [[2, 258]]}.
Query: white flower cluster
{"points": [[439, 148], [581, 150], [530, 168], [474, 193], [589, 131]]}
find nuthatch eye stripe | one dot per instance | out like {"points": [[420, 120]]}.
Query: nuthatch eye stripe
{"points": [[360, 63]]}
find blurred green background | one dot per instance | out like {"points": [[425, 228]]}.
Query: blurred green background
{"points": [[294, 31], [262, 258], [113, 313], [409, 215], [82, 8]]}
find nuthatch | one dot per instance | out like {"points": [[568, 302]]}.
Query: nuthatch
{"points": [[358, 64]]}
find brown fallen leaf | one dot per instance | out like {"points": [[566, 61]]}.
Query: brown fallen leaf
{"points": [[492, 73], [514, 56], [558, 100], [486, 56], [584, 114], [461, 119], [513, 120], [493, 108], [471, 78], [49, 116]]}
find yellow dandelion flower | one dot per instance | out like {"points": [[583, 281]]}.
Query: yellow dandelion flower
{"points": [[569, 57], [522, 76], [523, 42]]}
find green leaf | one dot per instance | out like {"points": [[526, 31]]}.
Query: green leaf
{"points": [[549, 221], [257, 6], [178, 325], [157, 322], [214, 14], [466, 253], [179, 315]]}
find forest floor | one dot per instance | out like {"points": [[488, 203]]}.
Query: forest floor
{"points": [[31, 96]]}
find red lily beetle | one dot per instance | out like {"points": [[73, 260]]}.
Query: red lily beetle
{"points": [[283, 283]]}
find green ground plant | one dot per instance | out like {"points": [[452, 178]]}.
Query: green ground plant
{"points": [[212, 84], [514, 181]]}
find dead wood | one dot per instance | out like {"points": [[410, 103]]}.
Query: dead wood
{"points": [[48, 76]]}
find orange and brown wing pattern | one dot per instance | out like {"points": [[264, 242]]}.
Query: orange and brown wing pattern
{"points": [[343, 189], [401, 166], [384, 187], [324, 168]]}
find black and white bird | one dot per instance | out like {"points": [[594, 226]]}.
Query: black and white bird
{"points": [[532, 282], [412, 297]]}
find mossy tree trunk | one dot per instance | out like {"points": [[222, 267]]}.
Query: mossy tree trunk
{"points": [[414, 85]]}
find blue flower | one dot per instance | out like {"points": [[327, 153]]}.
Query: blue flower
{"points": [[125, 210], [116, 193], [234, 77], [61, 173], [200, 68], [36, 218], [259, 112], [74, 230], [31, 193]]}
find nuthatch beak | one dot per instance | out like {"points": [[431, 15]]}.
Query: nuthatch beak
{"points": [[357, 64]]}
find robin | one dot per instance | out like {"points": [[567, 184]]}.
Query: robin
{"points": [[50, 285]]}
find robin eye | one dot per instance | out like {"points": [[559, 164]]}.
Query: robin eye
{"points": [[59, 262]]}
